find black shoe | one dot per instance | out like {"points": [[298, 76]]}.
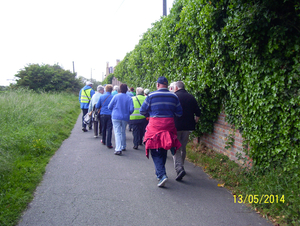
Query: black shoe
{"points": [[118, 152], [123, 150], [90, 128], [135, 147], [180, 175], [84, 130]]}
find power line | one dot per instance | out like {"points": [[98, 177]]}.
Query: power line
{"points": [[120, 5]]}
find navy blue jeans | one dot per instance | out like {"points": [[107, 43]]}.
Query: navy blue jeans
{"points": [[159, 157], [106, 125]]}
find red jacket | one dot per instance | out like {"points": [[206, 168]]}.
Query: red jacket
{"points": [[161, 133]]}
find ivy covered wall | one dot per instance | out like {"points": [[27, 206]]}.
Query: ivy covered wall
{"points": [[238, 55]]}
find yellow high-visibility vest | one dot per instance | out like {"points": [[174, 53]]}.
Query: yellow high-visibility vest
{"points": [[136, 113], [85, 95]]}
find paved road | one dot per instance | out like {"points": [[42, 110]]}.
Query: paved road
{"points": [[86, 184]]}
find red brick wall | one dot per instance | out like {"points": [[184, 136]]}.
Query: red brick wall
{"points": [[217, 140]]}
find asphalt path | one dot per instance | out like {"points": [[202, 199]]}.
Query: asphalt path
{"points": [[86, 184]]}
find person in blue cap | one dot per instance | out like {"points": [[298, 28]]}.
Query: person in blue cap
{"points": [[161, 135]]}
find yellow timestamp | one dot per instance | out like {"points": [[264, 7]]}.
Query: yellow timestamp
{"points": [[260, 199]]}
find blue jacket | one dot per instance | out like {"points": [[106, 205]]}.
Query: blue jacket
{"points": [[161, 103], [121, 106], [129, 94], [104, 109], [85, 105]]}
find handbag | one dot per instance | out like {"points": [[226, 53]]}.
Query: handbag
{"points": [[96, 114], [87, 119]]}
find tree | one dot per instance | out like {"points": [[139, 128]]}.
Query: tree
{"points": [[47, 78]]}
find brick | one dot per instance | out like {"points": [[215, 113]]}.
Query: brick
{"points": [[217, 140]]}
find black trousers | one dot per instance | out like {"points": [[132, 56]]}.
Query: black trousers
{"points": [[138, 131], [106, 125], [84, 112]]}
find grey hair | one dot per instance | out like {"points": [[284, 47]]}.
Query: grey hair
{"points": [[139, 91], [180, 84], [100, 88], [117, 88]]}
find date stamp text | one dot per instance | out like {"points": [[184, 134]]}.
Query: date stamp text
{"points": [[260, 199]]}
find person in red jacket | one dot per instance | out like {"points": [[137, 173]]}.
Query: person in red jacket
{"points": [[161, 135], [184, 125]]}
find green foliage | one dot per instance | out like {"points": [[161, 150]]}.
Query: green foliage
{"points": [[108, 79], [239, 56], [47, 78], [32, 127]]}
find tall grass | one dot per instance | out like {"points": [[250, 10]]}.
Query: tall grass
{"points": [[32, 128]]}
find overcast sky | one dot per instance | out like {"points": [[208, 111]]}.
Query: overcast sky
{"points": [[89, 32]]}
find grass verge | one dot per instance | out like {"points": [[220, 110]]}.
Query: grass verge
{"points": [[32, 128], [275, 195]]}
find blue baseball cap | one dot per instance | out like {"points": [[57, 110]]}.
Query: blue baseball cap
{"points": [[162, 80]]}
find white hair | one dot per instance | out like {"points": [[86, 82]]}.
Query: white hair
{"points": [[117, 88], [100, 88], [139, 91], [172, 86]]}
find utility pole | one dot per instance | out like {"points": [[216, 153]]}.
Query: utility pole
{"points": [[164, 7], [73, 67]]}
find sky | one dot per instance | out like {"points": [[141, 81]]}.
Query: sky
{"points": [[89, 33]]}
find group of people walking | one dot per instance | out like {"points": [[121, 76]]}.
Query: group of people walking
{"points": [[161, 120]]}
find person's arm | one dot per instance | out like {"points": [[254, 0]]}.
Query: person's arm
{"points": [[92, 93], [111, 103], [178, 112], [145, 108], [90, 106], [197, 111], [131, 109], [98, 105], [80, 97]]}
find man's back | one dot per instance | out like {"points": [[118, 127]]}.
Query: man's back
{"points": [[161, 103], [190, 109]]}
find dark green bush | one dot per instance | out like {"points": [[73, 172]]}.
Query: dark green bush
{"points": [[48, 78]]}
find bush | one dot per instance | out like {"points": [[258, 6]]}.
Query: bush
{"points": [[47, 78]]}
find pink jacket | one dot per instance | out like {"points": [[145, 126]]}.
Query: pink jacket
{"points": [[161, 133]]}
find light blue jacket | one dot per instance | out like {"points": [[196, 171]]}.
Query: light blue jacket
{"points": [[121, 106], [94, 100]]}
